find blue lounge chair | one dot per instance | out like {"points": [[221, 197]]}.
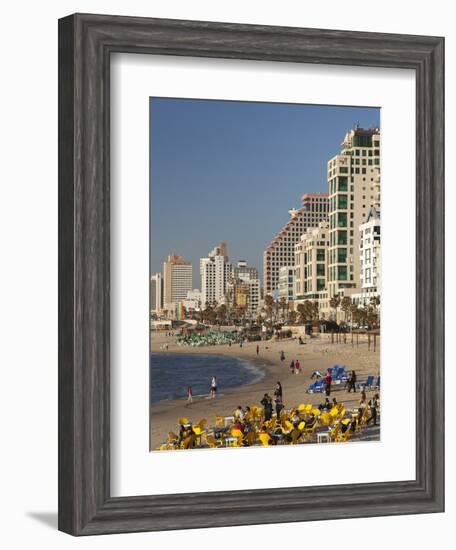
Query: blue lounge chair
{"points": [[316, 387]]}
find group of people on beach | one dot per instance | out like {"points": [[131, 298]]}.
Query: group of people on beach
{"points": [[295, 367], [212, 391], [244, 418]]}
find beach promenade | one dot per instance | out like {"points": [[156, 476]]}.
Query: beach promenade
{"points": [[316, 354]]}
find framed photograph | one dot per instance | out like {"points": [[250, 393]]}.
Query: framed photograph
{"points": [[251, 274]]}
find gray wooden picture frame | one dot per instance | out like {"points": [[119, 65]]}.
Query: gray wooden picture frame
{"points": [[85, 45]]}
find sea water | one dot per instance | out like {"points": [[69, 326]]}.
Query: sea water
{"points": [[172, 373]]}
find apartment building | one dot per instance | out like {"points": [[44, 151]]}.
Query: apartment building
{"points": [[354, 188], [311, 267], [281, 250], [215, 272], [177, 279], [156, 293]]}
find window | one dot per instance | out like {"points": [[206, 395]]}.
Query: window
{"points": [[320, 255], [342, 184], [341, 255], [342, 202], [341, 237], [342, 273], [320, 270], [341, 219], [343, 170]]}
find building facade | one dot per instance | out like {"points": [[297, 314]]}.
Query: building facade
{"points": [[281, 250], [193, 300], [311, 267], [243, 289], [177, 279], [354, 188], [286, 283], [156, 293], [215, 272], [370, 259]]}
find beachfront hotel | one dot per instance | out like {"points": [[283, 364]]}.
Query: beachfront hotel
{"points": [[354, 188], [286, 282], [281, 250], [177, 280], [243, 288], [370, 259], [215, 272], [311, 257], [156, 293]]}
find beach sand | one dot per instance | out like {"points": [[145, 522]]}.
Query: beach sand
{"points": [[317, 353]]}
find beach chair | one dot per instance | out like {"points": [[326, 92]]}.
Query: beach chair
{"points": [[219, 421], [316, 387], [264, 438], [343, 437], [201, 424], [250, 438], [211, 442], [288, 425], [309, 431], [334, 431], [239, 435], [367, 384]]}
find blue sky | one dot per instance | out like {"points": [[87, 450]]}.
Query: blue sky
{"points": [[223, 170]]}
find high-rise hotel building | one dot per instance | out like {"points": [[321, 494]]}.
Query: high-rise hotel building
{"points": [[177, 279], [354, 188], [215, 271], [311, 268], [156, 293], [281, 250]]}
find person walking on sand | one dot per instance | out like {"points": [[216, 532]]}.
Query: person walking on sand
{"points": [[258, 349], [297, 367], [278, 391], [351, 382], [292, 366], [189, 395], [267, 407], [282, 355], [328, 380], [213, 387]]}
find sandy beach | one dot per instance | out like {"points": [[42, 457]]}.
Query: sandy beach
{"points": [[316, 354]]}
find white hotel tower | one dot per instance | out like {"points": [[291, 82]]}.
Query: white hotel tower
{"points": [[215, 271]]}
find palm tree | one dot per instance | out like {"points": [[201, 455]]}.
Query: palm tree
{"points": [[354, 314], [221, 313], [315, 310], [269, 304], [301, 309], [345, 305], [283, 304], [334, 303]]}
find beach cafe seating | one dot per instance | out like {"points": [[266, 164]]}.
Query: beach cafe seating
{"points": [[285, 430]]}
